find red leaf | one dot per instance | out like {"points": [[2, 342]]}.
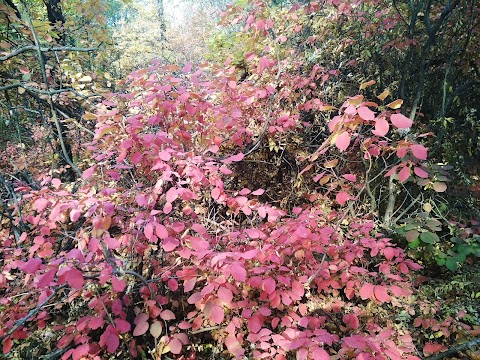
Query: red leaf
{"points": [[96, 323], [381, 294], [381, 127], [7, 345], [112, 341], [343, 141], [401, 121], [75, 278], [432, 348], [167, 315], [141, 328], [419, 151], [404, 174], [118, 284], [46, 278], [122, 326], [365, 113], [64, 341], [366, 291], [217, 314], [80, 351], [389, 253], [31, 266], [238, 272]]}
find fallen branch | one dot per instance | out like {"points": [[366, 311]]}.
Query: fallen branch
{"points": [[455, 349]]}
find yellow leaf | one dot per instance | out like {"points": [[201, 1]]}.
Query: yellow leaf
{"points": [[330, 164], [356, 100], [86, 79], [21, 90], [427, 207], [395, 104], [89, 116], [367, 84], [384, 94]]}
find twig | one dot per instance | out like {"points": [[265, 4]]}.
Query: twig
{"points": [[210, 328]]}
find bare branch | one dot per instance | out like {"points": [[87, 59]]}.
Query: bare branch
{"points": [[46, 49]]}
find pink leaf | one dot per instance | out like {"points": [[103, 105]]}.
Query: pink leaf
{"points": [[148, 231], [141, 328], [238, 271], [404, 174], [342, 197], [420, 172], [87, 173], [167, 315], [258, 192], [216, 193], [255, 323], [235, 158], [31, 266], [161, 231], [217, 314], [167, 208], [350, 177], [419, 151], [365, 113], [343, 141], [319, 354], [298, 289], [381, 127], [46, 278], [75, 278], [269, 285], [175, 346], [118, 284], [171, 195], [225, 295], [184, 97], [170, 244], [389, 253], [401, 121], [381, 294], [366, 291]]}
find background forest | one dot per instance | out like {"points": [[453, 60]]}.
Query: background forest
{"points": [[258, 180]]}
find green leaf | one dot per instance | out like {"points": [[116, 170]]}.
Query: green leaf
{"points": [[429, 238], [451, 264], [414, 244]]}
